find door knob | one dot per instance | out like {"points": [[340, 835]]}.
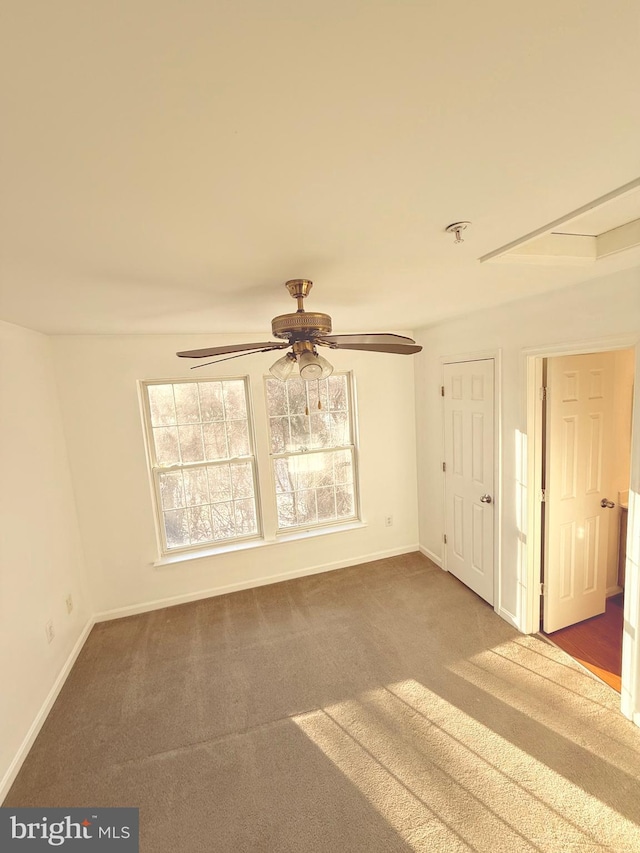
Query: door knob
{"points": [[486, 499], [605, 503]]}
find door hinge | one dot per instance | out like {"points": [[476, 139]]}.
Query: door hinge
{"points": [[444, 538], [444, 466], [442, 390], [543, 496], [544, 392], [542, 589]]}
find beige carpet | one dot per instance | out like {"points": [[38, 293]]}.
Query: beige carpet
{"points": [[378, 708]]}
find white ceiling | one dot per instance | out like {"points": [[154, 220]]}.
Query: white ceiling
{"points": [[166, 166]]}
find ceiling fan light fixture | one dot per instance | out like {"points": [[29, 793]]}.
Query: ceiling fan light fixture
{"points": [[327, 368], [283, 367], [314, 366]]}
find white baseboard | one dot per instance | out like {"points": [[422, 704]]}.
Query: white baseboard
{"points": [[41, 716], [433, 557], [158, 604], [510, 618]]}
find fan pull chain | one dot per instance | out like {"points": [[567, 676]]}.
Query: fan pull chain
{"points": [[319, 401]]}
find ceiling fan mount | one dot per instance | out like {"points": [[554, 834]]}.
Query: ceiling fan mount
{"points": [[301, 325]]}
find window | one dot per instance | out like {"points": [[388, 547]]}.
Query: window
{"points": [[312, 450], [202, 461]]}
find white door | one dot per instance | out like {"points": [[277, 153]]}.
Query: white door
{"points": [[578, 498], [469, 495]]}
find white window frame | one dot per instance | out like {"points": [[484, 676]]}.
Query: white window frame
{"points": [[155, 469], [335, 523]]}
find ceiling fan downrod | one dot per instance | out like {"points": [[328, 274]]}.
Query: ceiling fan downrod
{"points": [[299, 288]]}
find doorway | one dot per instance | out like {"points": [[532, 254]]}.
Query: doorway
{"points": [[586, 451]]}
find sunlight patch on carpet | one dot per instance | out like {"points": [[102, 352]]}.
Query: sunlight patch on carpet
{"points": [[441, 776]]}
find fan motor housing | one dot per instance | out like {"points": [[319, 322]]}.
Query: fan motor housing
{"points": [[301, 325]]}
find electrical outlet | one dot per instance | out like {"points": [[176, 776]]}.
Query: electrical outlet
{"points": [[388, 520], [48, 629], [69, 603]]}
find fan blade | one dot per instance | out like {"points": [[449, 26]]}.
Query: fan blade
{"points": [[203, 353], [229, 357], [371, 343]]}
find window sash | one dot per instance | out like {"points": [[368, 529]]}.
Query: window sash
{"points": [[205, 543], [157, 470], [305, 501], [311, 451]]}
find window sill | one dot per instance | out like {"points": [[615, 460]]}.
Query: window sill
{"points": [[249, 544]]}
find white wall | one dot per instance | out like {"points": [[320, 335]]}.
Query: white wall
{"points": [[623, 379], [98, 380], [598, 310], [40, 555]]}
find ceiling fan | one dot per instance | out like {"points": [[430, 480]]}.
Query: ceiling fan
{"points": [[304, 331]]}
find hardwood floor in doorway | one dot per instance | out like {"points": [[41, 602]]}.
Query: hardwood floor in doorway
{"points": [[597, 643]]}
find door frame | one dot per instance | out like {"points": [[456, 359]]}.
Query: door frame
{"points": [[496, 356], [532, 369]]}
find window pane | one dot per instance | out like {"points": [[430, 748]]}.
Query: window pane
{"points": [[276, 397], [339, 429], [286, 510], [337, 393], [165, 440], [343, 466], [215, 441], [223, 520], [320, 430], [187, 408], [300, 436], [280, 438], [238, 438], [171, 490], [242, 480], [245, 517], [191, 446], [234, 399], [326, 504], [195, 486], [297, 396], [306, 510], [200, 524], [306, 469], [219, 483], [344, 501], [161, 405], [326, 475], [176, 528], [284, 478], [211, 405]]}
